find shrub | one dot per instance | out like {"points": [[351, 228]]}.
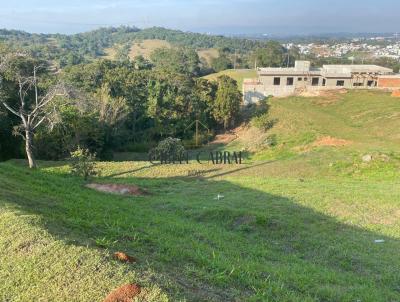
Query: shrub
{"points": [[271, 140], [263, 122], [169, 148], [260, 117], [83, 163]]}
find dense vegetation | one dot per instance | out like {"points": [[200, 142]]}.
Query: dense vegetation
{"points": [[83, 47], [115, 105]]}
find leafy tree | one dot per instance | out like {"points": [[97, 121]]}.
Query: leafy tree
{"points": [[272, 55], [9, 145], [176, 60], [227, 102], [122, 54], [221, 63], [141, 63], [78, 125]]}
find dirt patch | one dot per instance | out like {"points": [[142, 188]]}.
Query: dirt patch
{"points": [[331, 141], [123, 257], [118, 189], [396, 93], [124, 293], [328, 97], [225, 138], [247, 137]]}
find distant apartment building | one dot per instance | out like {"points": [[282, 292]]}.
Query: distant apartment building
{"points": [[304, 78]]}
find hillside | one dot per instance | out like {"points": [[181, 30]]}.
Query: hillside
{"points": [[146, 47], [329, 135], [83, 47], [305, 220]]}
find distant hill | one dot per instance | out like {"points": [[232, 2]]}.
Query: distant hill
{"points": [[83, 47]]}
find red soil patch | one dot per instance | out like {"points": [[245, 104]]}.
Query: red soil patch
{"points": [[396, 93], [124, 293], [118, 189], [225, 138], [331, 141], [121, 256], [229, 136]]}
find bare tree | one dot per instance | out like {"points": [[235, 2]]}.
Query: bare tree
{"points": [[32, 106]]}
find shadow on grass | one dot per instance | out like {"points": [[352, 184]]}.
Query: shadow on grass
{"points": [[247, 167], [249, 246], [131, 171]]}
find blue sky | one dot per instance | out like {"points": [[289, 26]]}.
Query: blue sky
{"points": [[215, 16]]}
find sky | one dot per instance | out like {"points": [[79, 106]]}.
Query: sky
{"points": [[275, 17]]}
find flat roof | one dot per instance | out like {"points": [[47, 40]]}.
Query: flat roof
{"points": [[288, 71], [326, 70], [356, 68]]}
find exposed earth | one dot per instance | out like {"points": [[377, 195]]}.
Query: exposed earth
{"points": [[118, 189]]}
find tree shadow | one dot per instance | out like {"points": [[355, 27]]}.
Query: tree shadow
{"points": [[248, 245], [242, 168], [131, 171]]}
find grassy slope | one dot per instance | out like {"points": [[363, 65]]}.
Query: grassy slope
{"points": [[143, 48], [367, 120], [146, 47], [296, 229], [238, 75], [208, 54]]}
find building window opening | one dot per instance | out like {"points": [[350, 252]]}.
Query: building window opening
{"points": [[289, 81], [315, 82], [277, 81], [358, 84], [340, 83], [299, 79], [371, 84], [305, 79], [324, 82]]}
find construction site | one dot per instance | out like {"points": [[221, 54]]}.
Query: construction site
{"points": [[303, 78]]}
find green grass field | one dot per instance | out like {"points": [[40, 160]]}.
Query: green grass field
{"points": [[298, 222]]}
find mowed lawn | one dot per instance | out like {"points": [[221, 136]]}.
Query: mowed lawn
{"points": [[298, 222]]}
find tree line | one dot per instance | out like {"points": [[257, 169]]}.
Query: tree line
{"points": [[107, 105]]}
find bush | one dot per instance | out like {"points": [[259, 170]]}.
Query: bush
{"points": [[83, 163], [169, 148], [271, 140], [260, 117], [263, 122]]}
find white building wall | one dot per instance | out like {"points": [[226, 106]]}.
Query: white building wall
{"points": [[350, 77]]}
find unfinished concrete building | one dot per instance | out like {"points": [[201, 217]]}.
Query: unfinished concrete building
{"points": [[304, 78]]}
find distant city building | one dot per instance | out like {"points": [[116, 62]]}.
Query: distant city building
{"points": [[303, 78]]}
